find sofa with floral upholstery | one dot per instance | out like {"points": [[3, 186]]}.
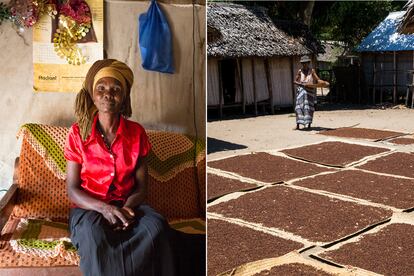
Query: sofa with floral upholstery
{"points": [[34, 211]]}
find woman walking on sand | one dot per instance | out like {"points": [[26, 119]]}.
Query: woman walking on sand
{"points": [[306, 80]]}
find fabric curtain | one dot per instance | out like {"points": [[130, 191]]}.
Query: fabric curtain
{"points": [[213, 85], [282, 82]]}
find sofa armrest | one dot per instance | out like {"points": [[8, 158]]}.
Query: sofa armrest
{"points": [[8, 201], [7, 204]]}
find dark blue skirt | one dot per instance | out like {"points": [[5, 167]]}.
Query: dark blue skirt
{"points": [[142, 250]]}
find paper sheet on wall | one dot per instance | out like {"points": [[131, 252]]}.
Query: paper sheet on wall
{"points": [[52, 73]]}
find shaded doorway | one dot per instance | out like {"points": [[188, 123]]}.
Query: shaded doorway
{"points": [[228, 78]]}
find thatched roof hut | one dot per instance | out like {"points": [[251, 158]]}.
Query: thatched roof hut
{"points": [[258, 55], [249, 31]]}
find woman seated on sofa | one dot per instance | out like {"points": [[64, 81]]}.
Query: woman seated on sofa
{"points": [[114, 232]]}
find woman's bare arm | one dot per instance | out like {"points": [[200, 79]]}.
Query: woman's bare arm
{"points": [[297, 79], [79, 197], [140, 192], [321, 83]]}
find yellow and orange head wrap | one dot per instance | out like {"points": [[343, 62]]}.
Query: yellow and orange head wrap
{"points": [[85, 109]]}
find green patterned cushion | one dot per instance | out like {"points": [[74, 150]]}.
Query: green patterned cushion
{"points": [[43, 238], [171, 152]]}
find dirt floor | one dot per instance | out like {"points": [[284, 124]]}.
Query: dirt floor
{"points": [[311, 208], [272, 132]]}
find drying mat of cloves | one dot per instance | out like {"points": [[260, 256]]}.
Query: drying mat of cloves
{"points": [[219, 186], [402, 141], [332, 153], [390, 251], [362, 133], [230, 245], [266, 167], [291, 264], [398, 163], [311, 216], [386, 190], [294, 269]]}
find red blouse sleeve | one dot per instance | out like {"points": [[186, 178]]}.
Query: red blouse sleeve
{"points": [[144, 144], [72, 150]]}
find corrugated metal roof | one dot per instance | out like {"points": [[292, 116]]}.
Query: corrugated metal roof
{"points": [[385, 37]]}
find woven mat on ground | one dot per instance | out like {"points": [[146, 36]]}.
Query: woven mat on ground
{"points": [[388, 251], [362, 133], [219, 186], [398, 163], [409, 140], [332, 153], [266, 167], [291, 264]]}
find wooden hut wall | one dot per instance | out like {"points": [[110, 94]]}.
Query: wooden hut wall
{"points": [[367, 67], [213, 85], [386, 73], [404, 62], [281, 77]]}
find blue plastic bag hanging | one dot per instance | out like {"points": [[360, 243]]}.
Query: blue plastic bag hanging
{"points": [[155, 40]]}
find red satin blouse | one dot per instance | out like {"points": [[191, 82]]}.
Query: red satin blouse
{"points": [[108, 176]]}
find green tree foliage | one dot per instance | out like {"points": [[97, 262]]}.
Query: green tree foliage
{"points": [[4, 12], [346, 21], [350, 21]]}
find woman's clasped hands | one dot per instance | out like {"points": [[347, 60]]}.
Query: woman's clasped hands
{"points": [[119, 218]]}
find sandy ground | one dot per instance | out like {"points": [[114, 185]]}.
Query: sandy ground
{"points": [[273, 132]]}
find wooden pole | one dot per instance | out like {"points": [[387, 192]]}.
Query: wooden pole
{"points": [[410, 81], [330, 84], [412, 86], [220, 91], [360, 71], [240, 73], [292, 78], [254, 88], [394, 96], [375, 78], [269, 85], [381, 75]]}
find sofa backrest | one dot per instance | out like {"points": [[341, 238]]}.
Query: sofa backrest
{"points": [[176, 174]]}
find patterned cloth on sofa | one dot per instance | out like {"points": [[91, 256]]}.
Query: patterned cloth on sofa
{"points": [[45, 243], [176, 190]]}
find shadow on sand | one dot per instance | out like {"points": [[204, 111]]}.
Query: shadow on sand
{"points": [[315, 129], [215, 145]]}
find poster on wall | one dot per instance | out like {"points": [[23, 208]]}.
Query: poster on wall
{"points": [[64, 47]]}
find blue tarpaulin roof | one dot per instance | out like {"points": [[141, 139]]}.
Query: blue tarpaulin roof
{"points": [[386, 38]]}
